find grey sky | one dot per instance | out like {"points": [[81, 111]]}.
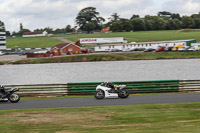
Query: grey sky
{"points": [[58, 13]]}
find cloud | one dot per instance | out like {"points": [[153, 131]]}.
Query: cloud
{"points": [[59, 13], [183, 7]]}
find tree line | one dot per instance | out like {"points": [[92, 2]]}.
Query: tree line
{"points": [[89, 20]]}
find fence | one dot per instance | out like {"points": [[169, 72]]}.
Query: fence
{"points": [[41, 89], [189, 85], [131, 86], [88, 88]]}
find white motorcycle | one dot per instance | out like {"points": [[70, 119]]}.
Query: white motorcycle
{"points": [[104, 91]]}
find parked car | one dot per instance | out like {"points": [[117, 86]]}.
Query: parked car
{"points": [[134, 49], [159, 49], [181, 49], [107, 50], [149, 50], [1, 53], [115, 50], [192, 49], [168, 49], [176, 47]]}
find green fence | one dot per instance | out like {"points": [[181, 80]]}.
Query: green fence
{"points": [[88, 88]]}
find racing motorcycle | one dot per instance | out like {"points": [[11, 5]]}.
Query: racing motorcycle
{"points": [[109, 90], [9, 95]]}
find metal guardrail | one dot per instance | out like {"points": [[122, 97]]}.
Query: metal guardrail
{"points": [[41, 89], [189, 85], [88, 88], [131, 86]]}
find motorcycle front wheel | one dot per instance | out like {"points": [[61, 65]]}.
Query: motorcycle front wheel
{"points": [[99, 94], [14, 98], [123, 93]]}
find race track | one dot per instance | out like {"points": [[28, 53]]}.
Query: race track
{"points": [[90, 101]]}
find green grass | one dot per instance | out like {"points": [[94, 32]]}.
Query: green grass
{"points": [[32, 42], [112, 57], [142, 36], [159, 118]]}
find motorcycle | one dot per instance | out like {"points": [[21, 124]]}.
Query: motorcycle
{"points": [[104, 91], [9, 95]]}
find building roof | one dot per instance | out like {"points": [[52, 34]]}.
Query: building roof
{"points": [[33, 33], [63, 45]]}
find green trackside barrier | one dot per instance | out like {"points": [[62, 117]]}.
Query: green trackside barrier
{"points": [[158, 86]]}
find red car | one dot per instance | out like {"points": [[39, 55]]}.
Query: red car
{"points": [[159, 49]]}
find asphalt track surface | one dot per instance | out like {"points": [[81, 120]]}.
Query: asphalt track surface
{"points": [[90, 101]]}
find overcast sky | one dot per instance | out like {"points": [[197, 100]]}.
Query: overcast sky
{"points": [[35, 14]]}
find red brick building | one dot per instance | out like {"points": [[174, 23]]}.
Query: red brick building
{"points": [[105, 29], [64, 49]]}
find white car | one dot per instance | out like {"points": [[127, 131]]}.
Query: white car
{"points": [[1, 53], [183, 48], [192, 49]]}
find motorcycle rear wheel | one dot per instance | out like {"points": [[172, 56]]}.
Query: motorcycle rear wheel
{"points": [[99, 94], [14, 98], [123, 93]]}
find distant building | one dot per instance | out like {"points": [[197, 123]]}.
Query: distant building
{"points": [[64, 49], [145, 45], [2, 40], [105, 29], [35, 34]]}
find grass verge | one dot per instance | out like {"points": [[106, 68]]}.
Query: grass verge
{"points": [[112, 57], [141, 36], [32, 42], [180, 117]]}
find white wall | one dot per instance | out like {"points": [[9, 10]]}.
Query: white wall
{"points": [[36, 35], [129, 46]]}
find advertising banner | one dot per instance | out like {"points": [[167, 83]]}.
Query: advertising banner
{"points": [[102, 40]]}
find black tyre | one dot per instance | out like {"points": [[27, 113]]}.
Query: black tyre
{"points": [[100, 94], [123, 93], [14, 98]]}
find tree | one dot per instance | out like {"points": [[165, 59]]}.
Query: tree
{"points": [[89, 17], [175, 16], [121, 25], [114, 17], [187, 22], [155, 23], [68, 28], [173, 24], [135, 16], [116, 26], [126, 24], [2, 26], [21, 26], [196, 23], [164, 14], [48, 30], [8, 33], [138, 24]]}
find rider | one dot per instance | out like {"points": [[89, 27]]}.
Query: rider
{"points": [[2, 89], [110, 85]]}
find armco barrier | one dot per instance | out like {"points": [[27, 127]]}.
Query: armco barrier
{"points": [[41, 89], [131, 86], [88, 88], [189, 85]]}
